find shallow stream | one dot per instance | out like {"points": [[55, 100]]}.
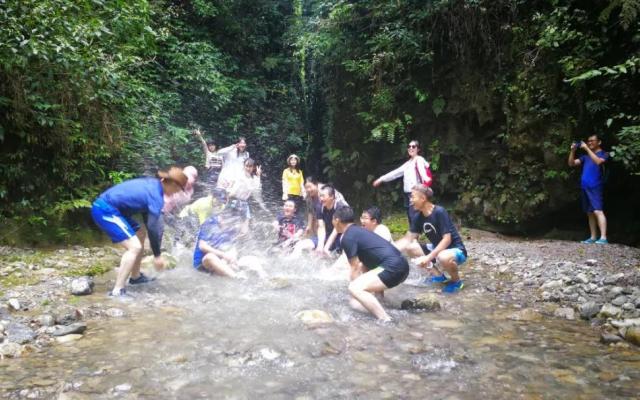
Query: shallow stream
{"points": [[191, 335]]}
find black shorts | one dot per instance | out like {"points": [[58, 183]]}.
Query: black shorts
{"points": [[394, 275]]}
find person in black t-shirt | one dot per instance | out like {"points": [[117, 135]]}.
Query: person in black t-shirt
{"points": [[446, 244], [290, 227], [376, 265]]}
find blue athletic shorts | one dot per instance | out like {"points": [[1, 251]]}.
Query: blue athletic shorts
{"points": [[460, 255], [118, 227], [592, 199]]}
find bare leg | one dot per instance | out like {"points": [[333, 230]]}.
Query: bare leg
{"points": [[447, 260], [602, 223], [363, 289], [133, 252], [135, 269], [593, 225], [218, 266]]}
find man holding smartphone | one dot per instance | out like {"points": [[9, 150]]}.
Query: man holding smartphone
{"points": [[592, 184]]}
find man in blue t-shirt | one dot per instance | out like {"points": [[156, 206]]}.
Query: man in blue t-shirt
{"points": [[446, 245], [592, 185], [213, 252]]}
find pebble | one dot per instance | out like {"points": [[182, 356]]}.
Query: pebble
{"points": [[115, 312], [82, 286], [565, 312], [125, 387], [14, 304], [46, 320], [608, 338], [424, 302], [609, 310], [68, 338], [78, 327], [620, 300], [589, 310], [312, 318], [591, 262], [613, 279]]}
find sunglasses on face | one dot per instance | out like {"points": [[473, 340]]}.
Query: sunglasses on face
{"points": [[412, 146]]}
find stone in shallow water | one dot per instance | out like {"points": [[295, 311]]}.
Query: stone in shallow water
{"points": [[589, 310], [313, 318], [565, 312], [14, 304], [82, 286], [19, 333], [612, 279], [78, 327], [424, 301], [620, 300], [10, 350], [527, 314], [608, 338], [46, 320], [609, 310], [632, 335], [115, 312], [68, 338]]}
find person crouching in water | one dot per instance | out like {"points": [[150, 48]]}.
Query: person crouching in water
{"points": [[112, 211], [376, 265], [446, 244]]}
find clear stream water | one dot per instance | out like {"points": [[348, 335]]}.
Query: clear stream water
{"points": [[193, 336]]}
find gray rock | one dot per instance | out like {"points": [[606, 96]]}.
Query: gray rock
{"points": [[424, 302], [608, 338], [627, 290], [46, 320], [632, 335], [78, 327], [18, 333], [10, 350], [609, 310], [14, 304], [82, 286], [591, 262], [620, 300], [66, 319], [115, 312], [628, 306], [552, 284], [625, 323], [636, 302], [613, 279], [565, 312], [582, 278]]}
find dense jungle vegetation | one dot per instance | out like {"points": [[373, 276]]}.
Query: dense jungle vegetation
{"points": [[96, 91]]}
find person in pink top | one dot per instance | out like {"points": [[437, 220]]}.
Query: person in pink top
{"points": [[183, 197], [413, 172]]}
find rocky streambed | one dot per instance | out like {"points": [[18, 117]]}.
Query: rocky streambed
{"points": [[537, 319]]}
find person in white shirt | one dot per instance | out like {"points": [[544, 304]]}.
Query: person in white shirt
{"points": [[247, 185], [413, 172], [213, 160], [233, 157], [371, 220]]}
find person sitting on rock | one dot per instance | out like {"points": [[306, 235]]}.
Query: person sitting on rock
{"points": [[112, 211], [376, 265], [446, 244], [371, 220]]}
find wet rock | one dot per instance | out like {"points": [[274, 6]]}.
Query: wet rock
{"points": [[491, 287], [632, 335], [589, 310], [68, 338], [609, 310], [66, 318], [46, 320], [312, 318], [279, 283], [591, 262], [581, 278], [115, 312], [615, 292], [78, 327], [613, 279], [10, 350], [18, 333], [125, 387], [82, 286], [628, 306], [625, 323], [620, 300], [527, 314], [424, 302], [565, 312], [555, 284], [608, 338], [14, 304]]}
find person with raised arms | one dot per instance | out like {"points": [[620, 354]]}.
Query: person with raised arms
{"points": [[446, 245], [375, 264], [112, 211]]}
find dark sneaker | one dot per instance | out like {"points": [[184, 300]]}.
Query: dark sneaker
{"points": [[141, 279], [453, 287]]}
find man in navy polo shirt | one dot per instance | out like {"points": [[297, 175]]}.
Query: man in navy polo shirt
{"points": [[592, 185]]}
